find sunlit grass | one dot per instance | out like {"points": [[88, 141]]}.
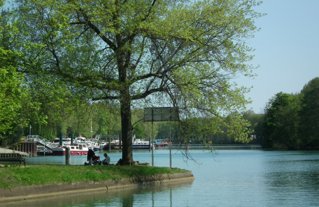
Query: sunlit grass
{"points": [[14, 176]]}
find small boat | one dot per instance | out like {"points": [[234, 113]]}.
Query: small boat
{"points": [[136, 144], [93, 143], [164, 144], [102, 144], [65, 141], [75, 149], [140, 144], [96, 147]]}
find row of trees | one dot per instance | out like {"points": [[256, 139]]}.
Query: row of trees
{"points": [[291, 120]]}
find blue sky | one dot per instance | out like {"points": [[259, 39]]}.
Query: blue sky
{"points": [[286, 49]]}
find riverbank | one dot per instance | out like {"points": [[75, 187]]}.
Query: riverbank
{"points": [[51, 180]]}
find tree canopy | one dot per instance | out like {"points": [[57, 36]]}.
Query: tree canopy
{"points": [[14, 93], [159, 52], [281, 122], [291, 120], [309, 114]]}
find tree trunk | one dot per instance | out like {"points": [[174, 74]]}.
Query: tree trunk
{"points": [[127, 155]]}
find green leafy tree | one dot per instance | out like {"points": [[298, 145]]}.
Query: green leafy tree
{"points": [[11, 92], [281, 122], [256, 125], [139, 132], [180, 53], [14, 92], [108, 118], [309, 114]]}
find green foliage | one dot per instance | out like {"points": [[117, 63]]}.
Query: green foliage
{"points": [[144, 53], [11, 94], [281, 122], [309, 115], [14, 92], [139, 132], [256, 121], [291, 121], [167, 130], [107, 118]]}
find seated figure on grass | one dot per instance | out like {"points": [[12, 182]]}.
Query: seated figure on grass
{"points": [[107, 159]]}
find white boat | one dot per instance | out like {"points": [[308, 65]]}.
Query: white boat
{"points": [[136, 144], [96, 147], [65, 141], [102, 144], [75, 149], [79, 147], [93, 143]]}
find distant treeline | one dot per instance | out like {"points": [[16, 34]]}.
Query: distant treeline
{"points": [[290, 121]]}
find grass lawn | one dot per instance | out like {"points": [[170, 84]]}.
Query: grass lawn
{"points": [[13, 176]]}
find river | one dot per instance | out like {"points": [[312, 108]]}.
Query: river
{"points": [[224, 177]]}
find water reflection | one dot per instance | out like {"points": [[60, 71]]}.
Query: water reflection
{"points": [[146, 196], [225, 178]]}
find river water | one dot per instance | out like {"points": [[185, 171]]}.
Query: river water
{"points": [[237, 177]]}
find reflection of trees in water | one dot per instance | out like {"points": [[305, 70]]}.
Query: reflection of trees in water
{"points": [[151, 195], [128, 200], [297, 176], [147, 196]]}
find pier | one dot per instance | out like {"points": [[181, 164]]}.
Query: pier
{"points": [[27, 147]]}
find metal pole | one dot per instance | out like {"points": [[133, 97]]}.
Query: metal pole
{"points": [[67, 156], [61, 138], [91, 130], [152, 142], [170, 150], [120, 142], [171, 197], [30, 130], [71, 139]]}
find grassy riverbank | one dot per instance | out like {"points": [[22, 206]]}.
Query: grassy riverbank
{"points": [[12, 177]]}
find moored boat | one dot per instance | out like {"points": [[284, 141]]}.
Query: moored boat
{"points": [[136, 144], [75, 149], [164, 144]]}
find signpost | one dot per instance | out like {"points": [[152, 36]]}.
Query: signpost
{"points": [[161, 114]]}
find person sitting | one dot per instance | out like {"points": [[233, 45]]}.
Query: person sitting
{"points": [[120, 162], [96, 160], [107, 159]]}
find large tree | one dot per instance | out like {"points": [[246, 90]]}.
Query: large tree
{"points": [[309, 114], [14, 93], [281, 122], [182, 52]]}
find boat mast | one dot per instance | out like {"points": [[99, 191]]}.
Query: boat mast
{"points": [[91, 129]]}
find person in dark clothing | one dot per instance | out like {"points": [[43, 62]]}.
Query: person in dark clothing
{"points": [[90, 156]]}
